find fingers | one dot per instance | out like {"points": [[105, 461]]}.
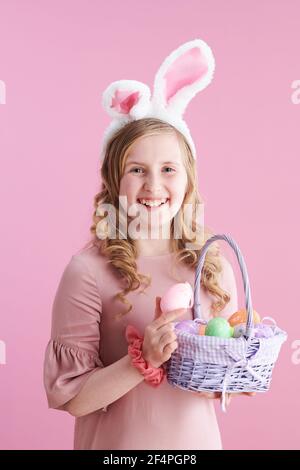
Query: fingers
{"points": [[218, 395], [228, 397], [248, 394], [170, 348], [158, 311], [164, 318], [168, 337], [159, 336], [209, 395]]}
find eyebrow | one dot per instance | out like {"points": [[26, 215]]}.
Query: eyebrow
{"points": [[162, 163]]}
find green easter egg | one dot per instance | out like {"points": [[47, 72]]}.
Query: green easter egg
{"points": [[219, 327]]}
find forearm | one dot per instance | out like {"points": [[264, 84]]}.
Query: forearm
{"points": [[105, 386]]}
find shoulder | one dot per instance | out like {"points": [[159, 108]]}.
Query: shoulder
{"points": [[88, 259], [226, 277], [227, 269], [82, 270], [79, 286]]}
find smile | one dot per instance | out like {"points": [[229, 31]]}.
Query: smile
{"points": [[152, 205]]}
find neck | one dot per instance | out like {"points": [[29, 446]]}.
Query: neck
{"points": [[153, 247]]}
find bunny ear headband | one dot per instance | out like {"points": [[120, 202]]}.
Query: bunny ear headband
{"points": [[186, 71]]}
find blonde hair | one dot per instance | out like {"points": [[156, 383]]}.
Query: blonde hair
{"points": [[122, 253]]}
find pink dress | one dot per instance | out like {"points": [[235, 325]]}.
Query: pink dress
{"points": [[85, 336]]}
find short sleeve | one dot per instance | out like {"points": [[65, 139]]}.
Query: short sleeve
{"points": [[227, 282], [72, 353]]}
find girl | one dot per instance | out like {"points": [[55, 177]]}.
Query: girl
{"points": [[88, 370]]}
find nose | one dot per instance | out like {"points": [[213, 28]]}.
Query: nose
{"points": [[153, 182]]}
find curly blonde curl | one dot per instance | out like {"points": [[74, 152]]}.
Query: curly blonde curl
{"points": [[122, 252]]}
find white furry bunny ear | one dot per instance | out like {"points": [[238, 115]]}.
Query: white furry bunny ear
{"points": [[126, 99], [186, 71]]}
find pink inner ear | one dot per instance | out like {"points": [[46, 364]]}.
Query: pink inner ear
{"points": [[187, 69], [124, 100]]}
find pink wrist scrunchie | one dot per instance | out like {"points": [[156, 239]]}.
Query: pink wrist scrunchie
{"points": [[153, 375]]}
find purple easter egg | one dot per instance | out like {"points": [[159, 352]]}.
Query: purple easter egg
{"points": [[188, 326], [263, 331]]}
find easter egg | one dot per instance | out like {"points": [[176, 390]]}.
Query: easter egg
{"points": [[263, 331], [188, 326], [218, 326], [180, 295], [239, 330], [201, 330], [241, 317]]}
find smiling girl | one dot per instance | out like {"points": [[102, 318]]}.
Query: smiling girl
{"points": [[114, 282]]}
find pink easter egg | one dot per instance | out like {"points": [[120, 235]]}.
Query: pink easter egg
{"points": [[178, 296]]}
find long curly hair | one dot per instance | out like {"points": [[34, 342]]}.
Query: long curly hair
{"points": [[122, 252]]}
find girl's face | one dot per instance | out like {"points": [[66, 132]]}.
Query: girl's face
{"points": [[154, 171]]}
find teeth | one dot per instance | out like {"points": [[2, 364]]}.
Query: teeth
{"points": [[155, 203]]}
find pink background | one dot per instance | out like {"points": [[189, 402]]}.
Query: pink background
{"points": [[56, 59]]}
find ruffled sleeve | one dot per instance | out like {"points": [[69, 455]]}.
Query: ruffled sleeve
{"points": [[72, 353]]}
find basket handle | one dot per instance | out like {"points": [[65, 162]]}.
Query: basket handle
{"points": [[197, 302]]}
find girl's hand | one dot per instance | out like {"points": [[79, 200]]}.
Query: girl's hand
{"points": [[228, 396], [159, 336]]}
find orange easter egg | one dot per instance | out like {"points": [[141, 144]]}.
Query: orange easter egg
{"points": [[241, 317], [201, 330]]}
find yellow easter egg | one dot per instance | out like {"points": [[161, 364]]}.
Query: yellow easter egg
{"points": [[241, 317], [201, 330]]}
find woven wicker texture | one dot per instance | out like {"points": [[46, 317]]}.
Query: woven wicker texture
{"points": [[213, 364]]}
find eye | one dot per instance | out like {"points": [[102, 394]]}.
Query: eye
{"points": [[134, 170], [168, 167]]}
